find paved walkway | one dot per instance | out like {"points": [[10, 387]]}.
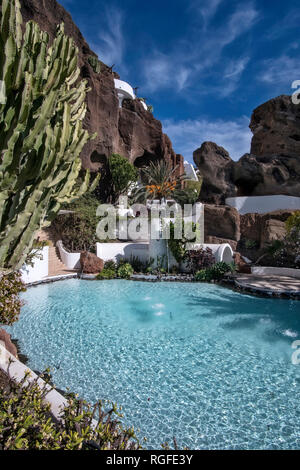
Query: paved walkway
{"points": [[271, 284]]}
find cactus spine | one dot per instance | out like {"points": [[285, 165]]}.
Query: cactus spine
{"points": [[41, 133]]}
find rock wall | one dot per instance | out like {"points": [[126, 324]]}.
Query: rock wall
{"points": [[130, 131], [224, 224], [272, 167]]}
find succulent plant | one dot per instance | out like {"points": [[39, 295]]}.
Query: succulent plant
{"points": [[41, 130]]}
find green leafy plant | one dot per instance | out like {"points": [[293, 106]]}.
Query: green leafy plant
{"points": [[111, 264], [77, 227], [178, 245], [106, 273], [11, 286], [125, 271], [41, 130], [293, 223], [26, 422], [140, 266], [190, 193], [123, 174], [250, 244], [215, 272]]}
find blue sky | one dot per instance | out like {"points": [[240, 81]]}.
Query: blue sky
{"points": [[203, 64]]}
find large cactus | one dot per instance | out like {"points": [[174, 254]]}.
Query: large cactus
{"points": [[41, 134]]}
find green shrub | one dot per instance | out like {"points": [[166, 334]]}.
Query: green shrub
{"points": [[110, 264], [293, 222], [123, 174], [190, 193], [27, 424], [140, 266], [125, 271], [106, 273], [10, 304], [215, 272], [78, 228]]}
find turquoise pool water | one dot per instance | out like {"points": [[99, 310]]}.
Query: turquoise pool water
{"points": [[196, 361]]}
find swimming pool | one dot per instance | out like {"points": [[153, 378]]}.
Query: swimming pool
{"points": [[196, 361]]}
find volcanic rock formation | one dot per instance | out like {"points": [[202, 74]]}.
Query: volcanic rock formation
{"points": [[130, 131], [272, 167]]}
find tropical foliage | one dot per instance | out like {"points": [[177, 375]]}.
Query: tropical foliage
{"points": [[41, 132], [159, 181]]}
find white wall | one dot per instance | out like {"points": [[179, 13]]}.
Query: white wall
{"points": [[39, 270], [117, 251], [269, 271], [263, 204], [70, 260]]}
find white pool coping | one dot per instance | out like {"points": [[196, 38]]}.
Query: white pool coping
{"points": [[16, 371]]}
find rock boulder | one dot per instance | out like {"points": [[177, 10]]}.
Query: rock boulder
{"points": [[9, 345], [216, 167]]}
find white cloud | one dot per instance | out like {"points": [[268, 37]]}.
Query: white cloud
{"points": [[290, 21], [197, 58], [110, 45], [207, 9], [188, 135], [162, 71], [281, 71]]}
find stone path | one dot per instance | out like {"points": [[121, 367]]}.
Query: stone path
{"points": [[270, 285]]}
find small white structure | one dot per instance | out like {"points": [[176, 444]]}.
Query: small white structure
{"points": [[40, 268], [190, 171], [70, 260], [124, 90], [263, 204]]}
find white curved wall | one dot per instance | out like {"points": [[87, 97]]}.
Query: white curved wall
{"points": [[39, 270], [263, 204], [70, 260], [124, 90], [117, 251]]}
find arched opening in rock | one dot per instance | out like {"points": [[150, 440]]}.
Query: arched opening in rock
{"points": [[145, 159]]}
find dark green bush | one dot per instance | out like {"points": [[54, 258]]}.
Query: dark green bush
{"points": [[125, 271], [123, 174], [215, 272], [26, 423], [11, 286], [78, 228], [110, 264]]}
